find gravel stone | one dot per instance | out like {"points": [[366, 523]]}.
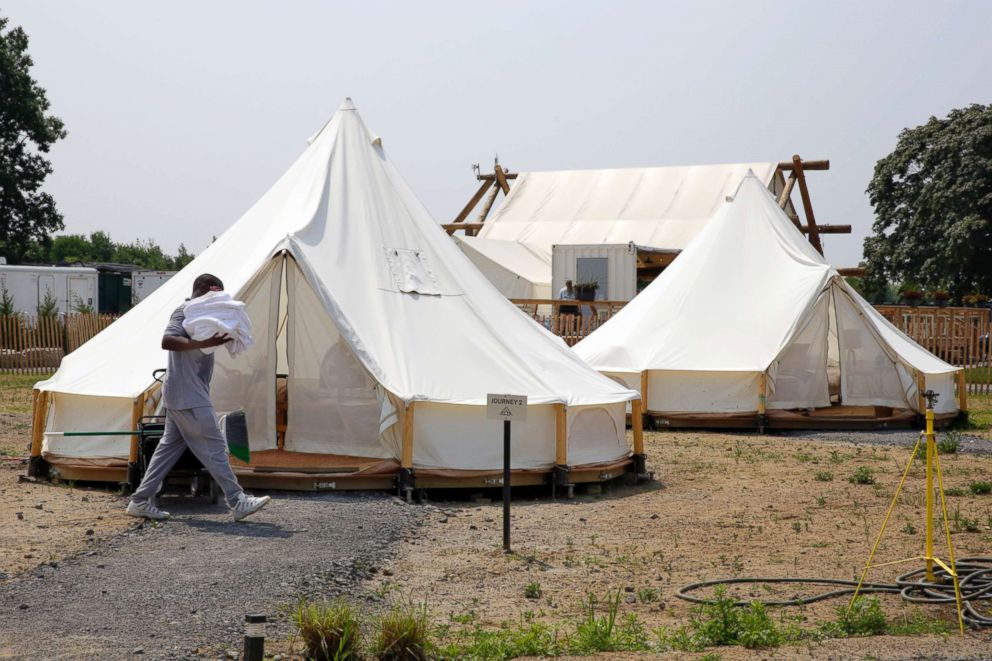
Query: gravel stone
{"points": [[187, 583]]}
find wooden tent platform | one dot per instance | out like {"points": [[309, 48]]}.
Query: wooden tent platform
{"points": [[296, 471], [835, 417]]}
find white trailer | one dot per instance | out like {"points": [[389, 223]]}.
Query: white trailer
{"points": [[74, 288], [144, 283]]}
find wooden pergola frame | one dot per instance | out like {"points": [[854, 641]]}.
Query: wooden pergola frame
{"points": [[499, 181]]}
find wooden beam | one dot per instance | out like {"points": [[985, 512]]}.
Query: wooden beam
{"points": [[921, 386], [501, 179], [561, 435], [137, 411], [492, 177], [463, 214], [853, 272], [407, 458], [826, 229], [451, 228], [814, 235], [637, 425], [40, 417], [807, 165], [488, 204], [644, 390], [962, 391], [783, 198], [762, 392]]}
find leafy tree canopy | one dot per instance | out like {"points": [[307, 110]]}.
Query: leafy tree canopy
{"points": [[933, 206], [99, 247], [26, 134]]}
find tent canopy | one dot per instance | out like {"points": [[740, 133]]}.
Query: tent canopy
{"points": [[513, 268], [749, 295], [356, 292]]}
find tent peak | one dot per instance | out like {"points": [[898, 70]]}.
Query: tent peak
{"points": [[347, 104]]}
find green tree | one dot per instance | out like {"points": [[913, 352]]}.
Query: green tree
{"points": [[26, 134], [183, 257], [933, 206], [101, 247], [70, 248]]}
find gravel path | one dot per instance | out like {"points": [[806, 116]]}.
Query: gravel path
{"points": [[166, 591]]}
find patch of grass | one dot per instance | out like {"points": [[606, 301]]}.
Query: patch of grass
{"points": [[722, 622], [648, 595], [535, 639], [981, 487], [836, 457], [909, 529], [918, 624], [330, 632], [403, 634], [532, 590], [823, 476], [603, 633], [954, 491], [863, 618], [963, 523], [805, 457], [863, 475]]}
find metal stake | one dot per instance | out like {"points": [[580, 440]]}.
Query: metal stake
{"points": [[506, 486]]}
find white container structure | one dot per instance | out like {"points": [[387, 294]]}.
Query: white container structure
{"points": [[74, 288], [144, 283]]}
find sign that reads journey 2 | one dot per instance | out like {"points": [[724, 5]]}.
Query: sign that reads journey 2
{"points": [[506, 407]]}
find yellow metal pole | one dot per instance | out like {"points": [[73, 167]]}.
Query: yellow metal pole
{"points": [[637, 426], [407, 457], [561, 435], [931, 451], [950, 547]]}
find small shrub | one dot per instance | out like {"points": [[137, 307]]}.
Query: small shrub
{"points": [[954, 491], [756, 629], [863, 475], [403, 634], [602, 633], [533, 590], [330, 632], [980, 488], [949, 442], [648, 595], [823, 476], [836, 457], [863, 618], [722, 622]]}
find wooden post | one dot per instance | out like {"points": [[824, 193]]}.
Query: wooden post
{"points": [[137, 411], [962, 392], [463, 214], [921, 386], [762, 392], [407, 458], [814, 234], [561, 435], [644, 390], [501, 179], [637, 425], [40, 409], [487, 205], [783, 199]]}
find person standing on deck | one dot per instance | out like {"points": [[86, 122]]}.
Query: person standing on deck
{"points": [[189, 418]]}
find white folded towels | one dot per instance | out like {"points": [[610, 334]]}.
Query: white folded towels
{"points": [[217, 313]]}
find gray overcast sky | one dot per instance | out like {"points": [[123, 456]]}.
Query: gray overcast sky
{"points": [[181, 114]]}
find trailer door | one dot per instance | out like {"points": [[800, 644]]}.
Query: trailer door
{"points": [[80, 293]]}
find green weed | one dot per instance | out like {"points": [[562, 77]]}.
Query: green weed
{"points": [[330, 632], [533, 590], [823, 476], [863, 475], [404, 634]]}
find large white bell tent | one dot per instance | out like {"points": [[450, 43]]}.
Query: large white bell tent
{"points": [[750, 324], [376, 343]]}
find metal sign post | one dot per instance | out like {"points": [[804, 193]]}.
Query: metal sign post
{"points": [[506, 408]]}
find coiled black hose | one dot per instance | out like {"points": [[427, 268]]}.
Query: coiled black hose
{"points": [[974, 580]]}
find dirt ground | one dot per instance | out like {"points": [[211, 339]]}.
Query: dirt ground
{"points": [[723, 505], [40, 523]]}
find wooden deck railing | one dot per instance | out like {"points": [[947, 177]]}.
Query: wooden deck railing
{"points": [[570, 320], [30, 344], [959, 336]]}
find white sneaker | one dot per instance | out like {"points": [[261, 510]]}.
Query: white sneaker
{"points": [[146, 511], [248, 505]]}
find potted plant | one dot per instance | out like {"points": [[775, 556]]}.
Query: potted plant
{"points": [[585, 291], [911, 294], [940, 297], [975, 300]]}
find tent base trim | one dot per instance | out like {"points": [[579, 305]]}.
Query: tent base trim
{"points": [[835, 418]]}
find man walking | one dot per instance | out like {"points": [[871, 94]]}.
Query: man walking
{"points": [[189, 418]]}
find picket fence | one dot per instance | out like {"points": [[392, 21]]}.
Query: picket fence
{"points": [[33, 344]]}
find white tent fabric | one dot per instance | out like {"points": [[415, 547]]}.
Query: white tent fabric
{"points": [[383, 310], [749, 295], [513, 268], [658, 207]]}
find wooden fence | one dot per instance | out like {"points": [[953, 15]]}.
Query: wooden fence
{"points": [[31, 344], [570, 320], [959, 336]]}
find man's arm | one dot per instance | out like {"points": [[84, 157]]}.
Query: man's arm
{"points": [[179, 343]]}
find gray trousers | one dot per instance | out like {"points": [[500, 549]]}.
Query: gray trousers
{"points": [[197, 429]]}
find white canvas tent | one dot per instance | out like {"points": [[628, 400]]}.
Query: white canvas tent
{"points": [[389, 337], [751, 302], [516, 270], [656, 207]]}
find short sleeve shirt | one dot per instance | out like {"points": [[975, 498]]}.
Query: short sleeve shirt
{"points": [[187, 380]]}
